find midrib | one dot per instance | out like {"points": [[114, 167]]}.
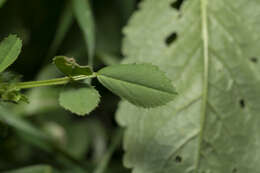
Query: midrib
{"points": [[204, 28]]}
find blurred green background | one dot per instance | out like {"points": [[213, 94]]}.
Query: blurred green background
{"points": [[42, 133]]}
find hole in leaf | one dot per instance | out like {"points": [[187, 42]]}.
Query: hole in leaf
{"points": [[177, 4], [171, 38], [178, 159], [254, 59], [242, 103], [234, 170]]}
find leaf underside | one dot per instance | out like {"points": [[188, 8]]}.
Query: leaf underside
{"points": [[174, 138], [141, 84]]}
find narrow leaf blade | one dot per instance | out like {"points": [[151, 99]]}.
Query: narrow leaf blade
{"points": [[141, 84], [84, 16], [10, 48], [63, 27], [33, 169]]}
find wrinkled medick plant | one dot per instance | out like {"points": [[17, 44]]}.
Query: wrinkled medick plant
{"points": [[143, 85]]}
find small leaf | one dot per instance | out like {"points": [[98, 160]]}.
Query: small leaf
{"points": [[84, 16], [69, 67], [2, 3], [10, 48], [141, 84], [33, 169], [80, 100]]}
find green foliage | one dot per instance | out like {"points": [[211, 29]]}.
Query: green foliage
{"points": [[9, 93], [2, 3], [141, 84], [10, 48], [8, 90], [213, 123], [33, 169], [207, 49], [81, 99], [41, 132], [69, 67]]}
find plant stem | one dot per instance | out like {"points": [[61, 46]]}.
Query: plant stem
{"points": [[52, 82]]}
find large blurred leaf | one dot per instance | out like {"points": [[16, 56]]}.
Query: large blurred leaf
{"points": [[33, 169], [84, 16], [10, 48], [141, 84], [212, 126]]}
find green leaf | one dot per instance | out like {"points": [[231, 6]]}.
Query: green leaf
{"points": [[33, 169], [212, 126], [69, 67], [63, 27], [84, 16], [79, 99], [2, 3], [141, 84], [10, 48]]}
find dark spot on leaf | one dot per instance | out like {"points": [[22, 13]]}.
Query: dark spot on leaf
{"points": [[171, 38], [177, 4], [254, 59], [242, 103], [178, 159], [234, 170], [137, 4]]}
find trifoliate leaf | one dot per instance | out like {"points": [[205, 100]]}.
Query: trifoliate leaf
{"points": [[79, 99], [10, 48], [210, 49], [141, 84], [69, 67], [32, 169]]}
